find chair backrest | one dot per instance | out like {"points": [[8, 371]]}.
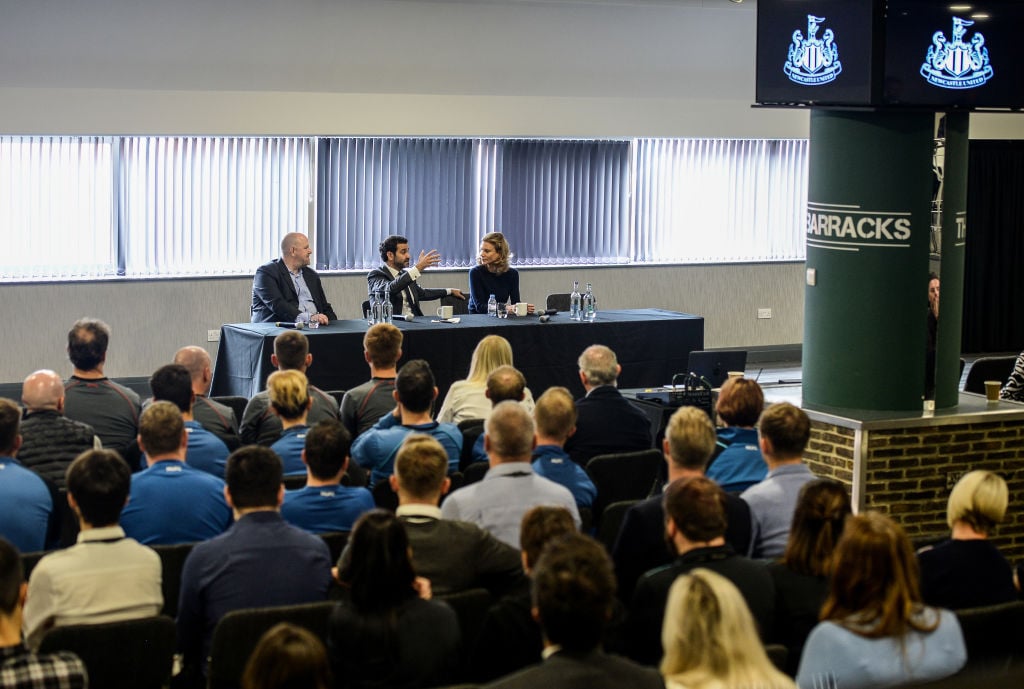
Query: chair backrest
{"points": [[470, 608], [777, 653], [471, 430], [338, 395], [238, 632], [459, 306], [336, 542], [236, 402], [475, 472], [30, 560], [623, 476], [988, 368], [294, 482], [384, 497], [994, 636], [172, 559], [558, 300], [134, 654], [363, 308], [611, 522]]}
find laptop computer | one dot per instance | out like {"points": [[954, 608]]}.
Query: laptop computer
{"points": [[714, 365]]}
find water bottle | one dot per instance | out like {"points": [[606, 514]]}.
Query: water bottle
{"points": [[574, 301], [375, 308], [386, 308], [492, 307], [589, 305]]}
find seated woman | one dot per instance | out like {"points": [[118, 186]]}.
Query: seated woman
{"points": [[1014, 387], [739, 465], [290, 401], [710, 639], [466, 399], [801, 577], [875, 632], [492, 275], [387, 633], [967, 571], [287, 657]]}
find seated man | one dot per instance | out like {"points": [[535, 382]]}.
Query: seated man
{"points": [[739, 465], [415, 393], [171, 501], [28, 515], [215, 417], [605, 420], [695, 526], [105, 577], [287, 289], [260, 561], [324, 505], [363, 405], [504, 383], [400, 282], [259, 423], [555, 415], [49, 440], [510, 487], [206, 452], [573, 592], [19, 667]]}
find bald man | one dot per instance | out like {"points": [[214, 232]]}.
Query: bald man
{"points": [[215, 417], [50, 440], [287, 289]]}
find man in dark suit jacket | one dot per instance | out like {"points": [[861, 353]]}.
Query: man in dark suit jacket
{"points": [[605, 420], [274, 293], [640, 546], [400, 281], [573, 592]]}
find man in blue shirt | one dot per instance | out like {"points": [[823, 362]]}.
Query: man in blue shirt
{"points": [[415, 393], [739, 463], [324, 505], [555, 415], [206, 452], [27, 515], [172, 502]]}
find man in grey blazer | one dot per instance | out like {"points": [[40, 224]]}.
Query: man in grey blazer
{"points": [[400, 281]]}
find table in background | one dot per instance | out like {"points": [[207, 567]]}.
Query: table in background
{"points": [[651, 345]]}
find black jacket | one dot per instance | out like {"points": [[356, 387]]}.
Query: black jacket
{"points": [[274, 297]]}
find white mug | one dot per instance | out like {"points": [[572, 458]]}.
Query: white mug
{"points": [[522, 308], [445, 312]]}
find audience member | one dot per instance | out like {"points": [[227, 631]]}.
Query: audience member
{"points": [[933, 332], [695, 526], [467, 399], [504, 383], [49, 440], [640, 545], [324, 504], [1013, 389], [573, 593], [785, 430], [605, 420], [510, 487], [400, 283], [90, 397], [388, 634], [555, 416], [453, 555], [801, 577], [288, 657], [740, 464], [290, 402], [415, 392], [492, 275], [968, 571], [510, 639], [287, 289], [259, 424], [206, 452], [214, 416], [28, 518], [875, 632], [19, 667], [259, 561], [104, 577], [171, 501], [363, 405], [710, 638]]}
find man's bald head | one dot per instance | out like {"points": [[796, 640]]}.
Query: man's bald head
{"points": [[197, 362], [43, 390], [289, 240]]}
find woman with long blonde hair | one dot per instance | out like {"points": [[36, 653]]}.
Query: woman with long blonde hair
{"points": [[466, 399]]}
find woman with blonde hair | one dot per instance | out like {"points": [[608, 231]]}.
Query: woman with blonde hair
{"points": [[968, 571], [290, 401], [492, 274], [875, 631], [466, 399], [710, 639]]}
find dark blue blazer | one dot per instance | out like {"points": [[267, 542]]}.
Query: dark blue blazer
{"points": [[274, 297]]}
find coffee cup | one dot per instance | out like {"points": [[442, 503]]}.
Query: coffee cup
{"points": [[445, 312], [522, 308], [992, 388]]}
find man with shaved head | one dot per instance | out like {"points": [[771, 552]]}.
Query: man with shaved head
{"points": [[287, 289], [50, 440], [215, 417]]}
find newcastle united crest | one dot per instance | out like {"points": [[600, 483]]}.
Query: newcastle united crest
{"points": [[957, 64], [813, 61]]}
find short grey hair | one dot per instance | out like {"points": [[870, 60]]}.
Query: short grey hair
{"points": [[599, 365], [510, 429]]}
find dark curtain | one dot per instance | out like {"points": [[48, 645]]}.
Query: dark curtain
{"points": [[994, 261]]}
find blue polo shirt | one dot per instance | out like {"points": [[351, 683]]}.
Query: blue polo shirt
{"points": [[172, 502], [740, 465], [289, 448], [206, 451], [322, 509], [26, 506], [552, 462], [376, 448]]}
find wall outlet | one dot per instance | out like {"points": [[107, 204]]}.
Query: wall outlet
{"points": [[764, 313], [213, 335]]}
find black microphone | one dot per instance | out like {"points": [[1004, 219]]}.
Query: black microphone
{"points": [[285, 324], [545, 318]]}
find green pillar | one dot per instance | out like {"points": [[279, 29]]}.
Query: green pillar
{"points": [[868, 217]]}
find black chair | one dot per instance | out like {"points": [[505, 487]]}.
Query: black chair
{"points": [[459, 306], [471, 430], [475, 472], [365, 306], [457, 480], [236, 402], [238, 632], [470, 608], [611, 522], [384, 497], [778, 654], [172, 559], [558, 301], [336, 542], [30, 560], [134, 654], [623, 476], [337, 395], [994, 636], [988, 368], [294, 482]]}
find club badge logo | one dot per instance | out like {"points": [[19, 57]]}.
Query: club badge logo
{"points": [[957, 64], [813, 61]]}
